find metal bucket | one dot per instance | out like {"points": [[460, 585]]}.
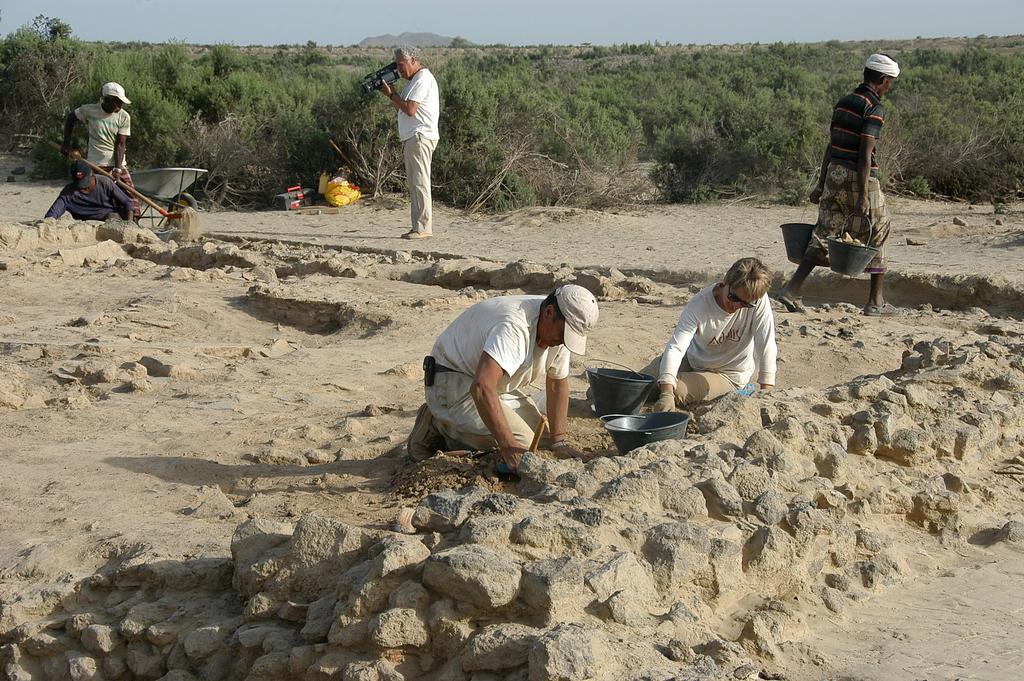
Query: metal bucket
{"points": [[796, 236], [630, 432], [615, 391]]}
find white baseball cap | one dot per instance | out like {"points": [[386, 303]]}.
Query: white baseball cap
{"points": [[115, 90], [579, 307]]}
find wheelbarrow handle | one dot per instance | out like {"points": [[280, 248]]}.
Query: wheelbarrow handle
{"points": [[128, 188]]}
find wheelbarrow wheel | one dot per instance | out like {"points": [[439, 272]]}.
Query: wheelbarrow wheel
{"points": [[184, 200]]}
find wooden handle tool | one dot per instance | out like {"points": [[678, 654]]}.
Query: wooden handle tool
{"points": [[541, 427]]}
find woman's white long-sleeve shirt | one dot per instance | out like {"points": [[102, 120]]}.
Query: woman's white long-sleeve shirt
{"points": [[712, 339]]}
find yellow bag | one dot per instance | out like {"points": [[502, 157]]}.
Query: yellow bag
{"points": [[341, 193]]}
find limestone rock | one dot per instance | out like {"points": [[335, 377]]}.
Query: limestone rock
{"points": [[765, 443], [397, 554], [769, 552], [621, 573], [722, 497], [833, 463], [639, 490], [684, 501], [410, 594], [159, 369], [909, 447], [499, 646], [103, 252], [474, 574], [554, 586], [211, 504], [140, 617], [555, 533], [733, 414], [100, 638], [204, 641], [750, 481], [770, 508], [398, 627], [125, 233], [833, 600], [1012, 532], [446, 510], [319, 617], [524, 274], [82, 667], [253, 543], [570, 652], [677, 553]]}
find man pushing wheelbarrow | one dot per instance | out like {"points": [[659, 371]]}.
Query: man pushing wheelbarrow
{"points": [[851, 206]]}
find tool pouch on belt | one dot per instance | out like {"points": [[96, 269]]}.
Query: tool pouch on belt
{"points": [[428, 371]]}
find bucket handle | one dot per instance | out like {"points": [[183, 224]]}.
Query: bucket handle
{"points": [[871, 228], [621, 366]]}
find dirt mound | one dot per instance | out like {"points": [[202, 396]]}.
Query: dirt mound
{"points": [[445, 472]]}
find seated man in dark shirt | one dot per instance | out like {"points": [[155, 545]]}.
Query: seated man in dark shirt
{"points": [[90, 197]]}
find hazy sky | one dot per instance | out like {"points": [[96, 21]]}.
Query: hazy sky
{"points": [[522, 22]]}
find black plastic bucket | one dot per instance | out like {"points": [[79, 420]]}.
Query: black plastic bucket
{"points": [[630, 432], [796, 236], [616, 391], [849, 259]]}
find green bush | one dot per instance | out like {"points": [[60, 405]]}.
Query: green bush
{"points": [[526, 126], [918, 186]]}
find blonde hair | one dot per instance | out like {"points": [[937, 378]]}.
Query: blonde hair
{"points": [[749, 275]]}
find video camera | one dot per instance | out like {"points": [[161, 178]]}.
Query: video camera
{"points": [[374, 81]]}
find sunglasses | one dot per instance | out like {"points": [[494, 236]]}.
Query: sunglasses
{"points": [[736, 299]]}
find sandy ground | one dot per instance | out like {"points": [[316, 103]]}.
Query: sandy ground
{"points": [[284, 415]]}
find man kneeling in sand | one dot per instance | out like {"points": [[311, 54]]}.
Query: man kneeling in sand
{"points": [[719, 334], [90, 197], [476, 374]]}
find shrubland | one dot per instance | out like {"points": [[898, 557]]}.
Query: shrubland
{"points": [[534, 125]]}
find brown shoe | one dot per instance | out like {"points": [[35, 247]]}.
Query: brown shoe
{"points": [[425, 439], [417, 235]]}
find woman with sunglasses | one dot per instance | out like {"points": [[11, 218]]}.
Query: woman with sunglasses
{"points": [[722, 333]]}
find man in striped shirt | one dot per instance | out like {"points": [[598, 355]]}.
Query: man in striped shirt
{"points": [[848, 194]]}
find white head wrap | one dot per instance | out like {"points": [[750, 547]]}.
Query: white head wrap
{"points": [[883, 64]]}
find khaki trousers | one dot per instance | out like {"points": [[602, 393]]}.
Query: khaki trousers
{"points": [[457, 418], [693, 387], [418, 151]]}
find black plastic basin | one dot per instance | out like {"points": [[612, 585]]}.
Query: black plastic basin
{"points": [[630, 432]]}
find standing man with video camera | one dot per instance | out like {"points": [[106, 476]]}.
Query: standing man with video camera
{"points": [[418, 107]]}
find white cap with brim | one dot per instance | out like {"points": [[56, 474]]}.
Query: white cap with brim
{"points": [[883, 65], [115, 90], [579, 307]]}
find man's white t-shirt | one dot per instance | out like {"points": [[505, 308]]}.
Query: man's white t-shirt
{"points": [[103, 131], [423, 89], [506, 329], [711, 339]]}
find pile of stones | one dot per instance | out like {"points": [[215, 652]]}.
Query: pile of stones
{"points": [[625, 567]]}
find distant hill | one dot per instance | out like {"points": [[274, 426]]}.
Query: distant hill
{"points": [[415, 39]]}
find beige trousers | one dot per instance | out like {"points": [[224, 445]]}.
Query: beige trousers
{"points": [[693, 387], [457, 418], [418, 151]]}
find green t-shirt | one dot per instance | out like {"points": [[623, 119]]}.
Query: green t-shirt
{"points": [[103, 131]]}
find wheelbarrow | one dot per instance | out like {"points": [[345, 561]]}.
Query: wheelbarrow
{"points": [[166, 186]]}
